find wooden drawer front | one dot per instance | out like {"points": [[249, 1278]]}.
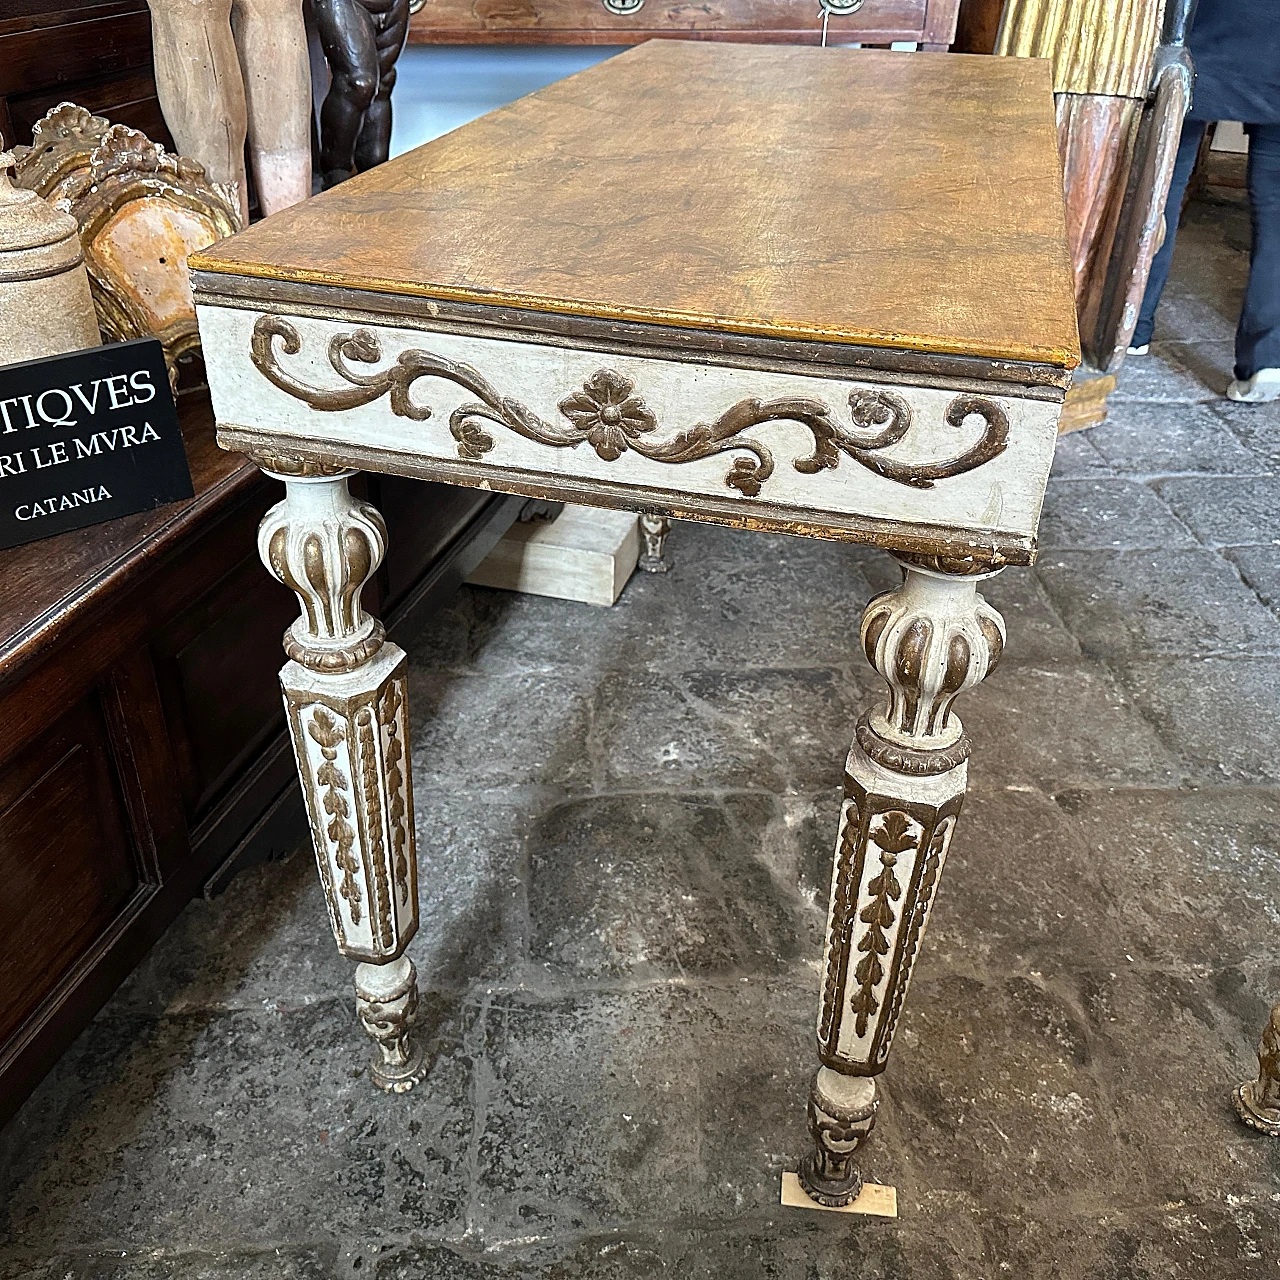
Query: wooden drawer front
{"points": [[590, 22], [66, 859]]}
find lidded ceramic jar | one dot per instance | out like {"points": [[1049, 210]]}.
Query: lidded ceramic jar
{"points": [[45, 304]]}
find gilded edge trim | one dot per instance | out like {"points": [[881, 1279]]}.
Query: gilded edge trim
{"points": [[992, 549], [1066, 357]]}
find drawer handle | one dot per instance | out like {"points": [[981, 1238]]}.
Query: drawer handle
{"points": [[623, 7], [841, 8]]}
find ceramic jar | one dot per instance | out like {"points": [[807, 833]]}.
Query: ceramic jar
{"points": [[45, 304]]}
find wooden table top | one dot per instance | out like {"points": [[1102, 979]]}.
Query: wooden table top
{"points": [[911, 201]]}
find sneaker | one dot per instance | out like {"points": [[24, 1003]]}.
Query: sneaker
{"points": [[1262, 388], [1140, 351]]}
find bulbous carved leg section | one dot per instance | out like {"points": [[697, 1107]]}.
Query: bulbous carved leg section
{"points": [[904, 785], [653, 548], [387, 1002], [1257, 1102], [324, 546], [842, 1111], [345, 699]]}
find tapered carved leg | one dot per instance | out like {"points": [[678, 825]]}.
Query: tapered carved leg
{"points": [[653, 537], [904, 783], [1257, 1101], [344, 693]]}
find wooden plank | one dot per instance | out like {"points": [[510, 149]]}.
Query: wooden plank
{"points": [[834, 195]]}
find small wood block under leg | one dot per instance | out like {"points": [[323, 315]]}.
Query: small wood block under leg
{"points": [[873, 1200]]}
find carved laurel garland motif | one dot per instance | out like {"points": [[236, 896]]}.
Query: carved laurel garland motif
{"points": [[933, 859], [373, 823], [608, 415], [892, 837], [389, 705], [329, 735], [843, 909]]}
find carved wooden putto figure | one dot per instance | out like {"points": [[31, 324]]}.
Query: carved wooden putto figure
{"points": [[362, 40]]}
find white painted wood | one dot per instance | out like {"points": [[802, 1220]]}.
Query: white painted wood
{"points": [[586, 554], [1003, 496]]}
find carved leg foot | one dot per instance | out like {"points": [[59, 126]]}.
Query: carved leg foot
{"points": [[387, 1002], [842, 1112], [344, 695], [904, 784], [1257, 1102], [653, 537]]}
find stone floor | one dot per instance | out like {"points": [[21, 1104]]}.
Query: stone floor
{"points": [[624, 823]]}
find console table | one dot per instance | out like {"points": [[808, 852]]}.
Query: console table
{"points": [[821, 291]]}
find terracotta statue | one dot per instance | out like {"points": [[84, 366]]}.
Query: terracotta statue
{"points": [[362, 40], [227, 68]]}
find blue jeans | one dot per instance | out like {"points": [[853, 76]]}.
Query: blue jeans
{"points": [[1258, 333]]}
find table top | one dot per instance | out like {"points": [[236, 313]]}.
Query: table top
{"points": [[910, 201]]}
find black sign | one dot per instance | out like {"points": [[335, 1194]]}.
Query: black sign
{"points": [[87, 437]]}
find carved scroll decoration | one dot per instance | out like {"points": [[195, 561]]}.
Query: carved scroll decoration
{"points": [[608, 415]]}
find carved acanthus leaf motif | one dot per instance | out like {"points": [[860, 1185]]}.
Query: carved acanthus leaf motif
{"points": [[608, 415]]}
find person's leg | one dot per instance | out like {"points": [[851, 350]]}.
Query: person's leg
{"points": [[1258, 335], [348, 38], [374, 143], [272, 43], [200, 88], [1184, 163]]}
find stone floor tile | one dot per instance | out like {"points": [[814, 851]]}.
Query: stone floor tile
{"points": [[1156, 379], [1260, 569], [659, 885], [1178, 602], [213, 1129], [278, 1262], [1068, 725], [521, 729], [1171, 439], [1036, 634], [1186, 878], [718, 606], [1257, 427], [752, 729], [267, 945], [1160, 1242], [1218, 713], [587, 1112], [1103, 515], [1021, 890], [992, 1098], [1227, 512], [1075, 457]]}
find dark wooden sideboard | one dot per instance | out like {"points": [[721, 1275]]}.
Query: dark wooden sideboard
{"points": [[144, 752], [928, 23]]}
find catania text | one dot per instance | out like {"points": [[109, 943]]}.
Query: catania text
{"points": [[68, 407]]}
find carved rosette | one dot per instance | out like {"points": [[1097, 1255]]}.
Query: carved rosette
{"points": [[1257, 1102], [349, 735], [324, 546]]}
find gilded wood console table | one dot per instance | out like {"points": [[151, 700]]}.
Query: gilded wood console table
{"points": [[820, 291]]}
